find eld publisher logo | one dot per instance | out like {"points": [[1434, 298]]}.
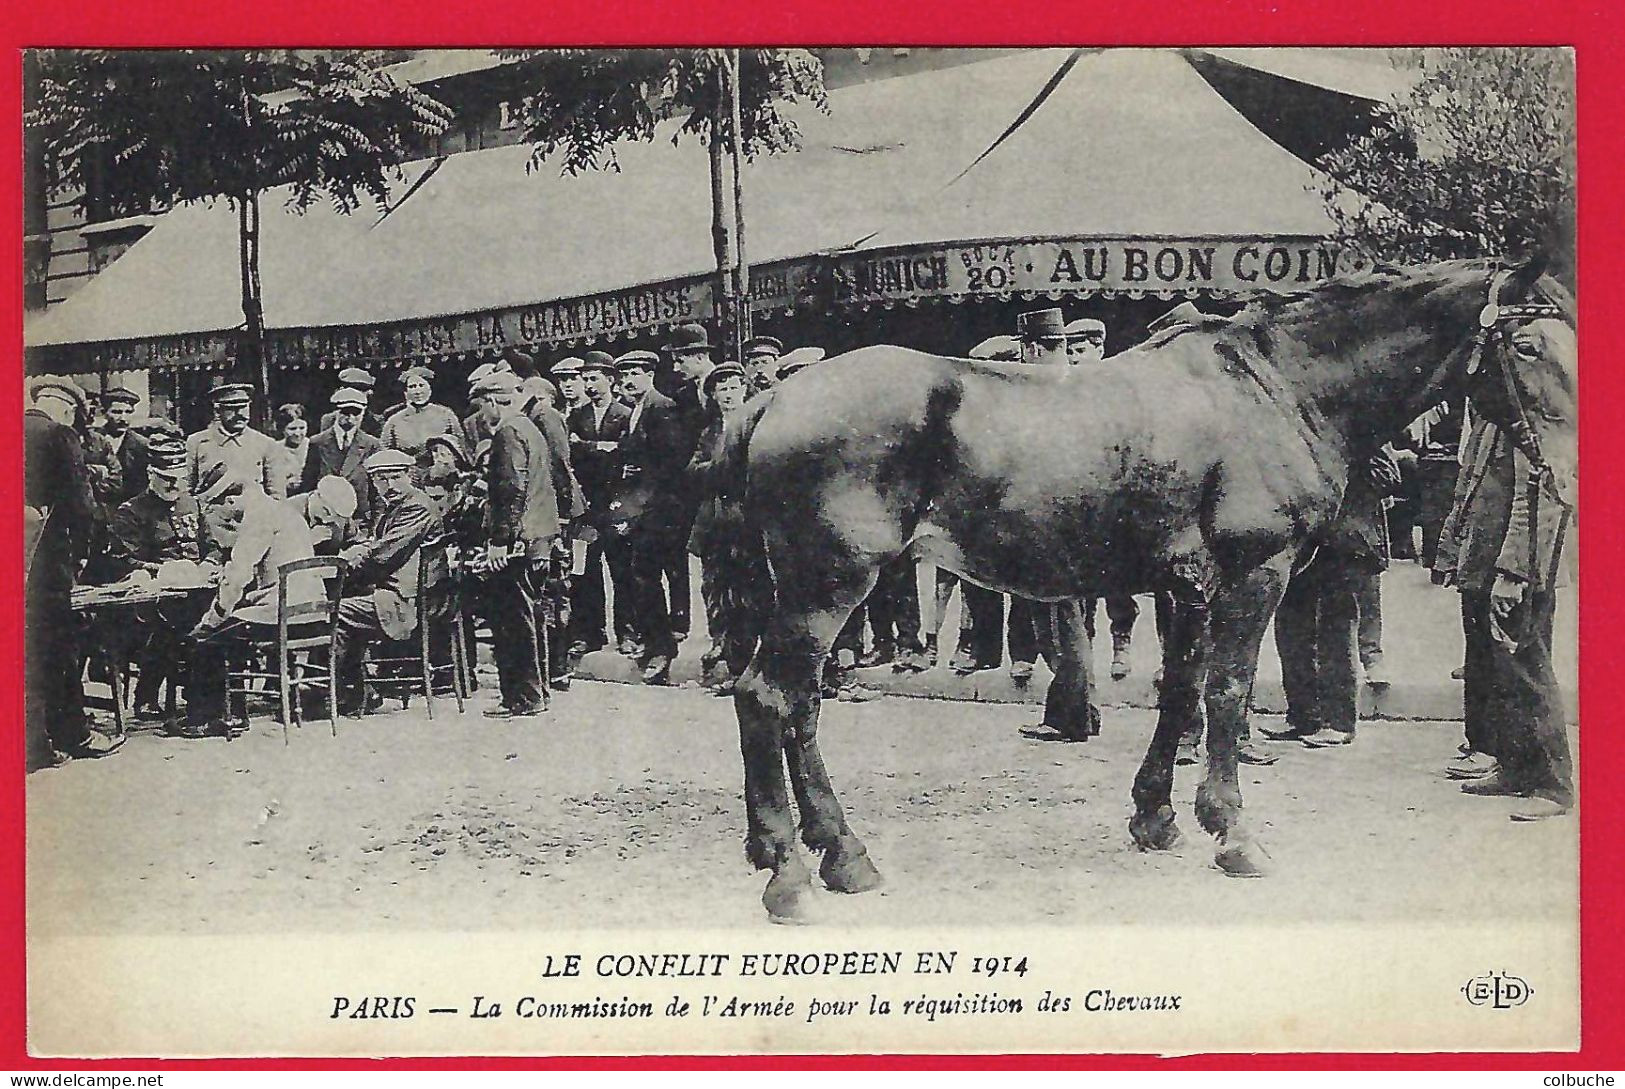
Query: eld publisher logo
{"points": [[1498, 990]]}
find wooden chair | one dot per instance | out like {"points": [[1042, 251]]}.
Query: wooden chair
{"points": [[301, 628], [387, 672]]}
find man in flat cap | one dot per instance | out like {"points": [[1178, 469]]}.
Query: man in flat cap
{"points": [[567, 377], [523, 526], [381, 582], [762, 356], [148, 530], [229, 451], [474, 430], [57, 522], [1085, 341], [342, 449], [649, 511], [129, 447], [265, 534], [409, 428], [596, 431], [362, 382]]}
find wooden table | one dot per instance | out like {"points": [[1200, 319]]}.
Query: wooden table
{"points": [[96, 604]]}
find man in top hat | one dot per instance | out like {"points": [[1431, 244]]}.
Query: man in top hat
{"points": [[342, 449], [474, 431], [650, 510], [523, 526], [148, 530], [1085, 341], [381, 581], [567, 377], [129, 447], [596, 431], [362, 381], [796, 359], [265, 533], [410, 427], [1043, 337], [57, 521], [229, 451], [762, 356]]}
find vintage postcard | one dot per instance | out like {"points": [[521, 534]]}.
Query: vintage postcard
{"points": [[718, 551]]}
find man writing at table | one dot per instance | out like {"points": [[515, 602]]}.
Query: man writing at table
{"points": [[263, 534]]}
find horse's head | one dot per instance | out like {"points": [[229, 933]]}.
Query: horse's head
{"points": [[1524, 378]]}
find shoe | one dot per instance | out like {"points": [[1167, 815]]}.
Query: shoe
{"points": [[1291, 733], [1459, 673], [726, 688], [1327, 738], [51, 758], [498, 710], [192, 731], [911, 661], [1471, 765], [1541, 807], [930, 652], [561, 683], [1120, 666], [148, 712], [95, 746], [529, 710], [856, 693], [1248, 753], [712, 657], [657, 670], [1021, 672], [880, 654], [1494, 785], [1187, 753], [629, 648]]}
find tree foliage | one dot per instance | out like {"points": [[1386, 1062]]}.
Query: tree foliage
{"points": [[582, 102], [1476, 159], [159, 128]]}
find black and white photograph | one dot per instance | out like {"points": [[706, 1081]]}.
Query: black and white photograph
{"points": [[810, 550]]}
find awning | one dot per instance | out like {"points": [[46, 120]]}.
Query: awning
{"points": [[487, 252]]}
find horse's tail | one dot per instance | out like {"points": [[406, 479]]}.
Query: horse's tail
{"points": [[752, 592]]}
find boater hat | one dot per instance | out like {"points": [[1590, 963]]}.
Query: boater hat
{"points": [[1041, 325]]}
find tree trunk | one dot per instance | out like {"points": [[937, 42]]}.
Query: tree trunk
{"points": [[741, 269], [721, 248], [251, 345]]}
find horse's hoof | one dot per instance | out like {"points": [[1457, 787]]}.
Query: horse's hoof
{"points": [[849, 871], [786, 899], [1156, 832], [1240, 860]]}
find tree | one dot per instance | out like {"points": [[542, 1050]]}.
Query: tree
{"points": [[580, 103], [145, 130], [1476, 159]]}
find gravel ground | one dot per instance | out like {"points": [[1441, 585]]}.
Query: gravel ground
{"points": [[623, 809]]}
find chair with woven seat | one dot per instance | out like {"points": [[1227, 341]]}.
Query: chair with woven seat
{"points": [[390, 672], [302, 629]]}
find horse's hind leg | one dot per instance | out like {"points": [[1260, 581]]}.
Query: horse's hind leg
{"points": [[1184, 644], [1069, 708], [1241, 611], [770, 835]]}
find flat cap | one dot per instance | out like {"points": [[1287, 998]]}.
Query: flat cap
{"points": [[388, 461], [796, 358], [598, 361], [498, 382], [337, 495], [570, 364], [65, 388], [485, 370], [730, 369], [1080, 326], [1041, 325], [999, 347], [118, 395], [417, 372], [232, 393], [764, 346], [638, 361], [356, 377], [537, 386], [348, 395]]}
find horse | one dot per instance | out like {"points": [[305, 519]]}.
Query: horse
{"points": [[1205, 460]]}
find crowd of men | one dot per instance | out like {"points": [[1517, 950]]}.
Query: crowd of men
{"points": [[569, 488]]}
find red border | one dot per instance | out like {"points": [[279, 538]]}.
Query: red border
{"points": [[1592, 26]]}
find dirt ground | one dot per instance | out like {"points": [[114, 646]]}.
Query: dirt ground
{"points": [[623, 808]]}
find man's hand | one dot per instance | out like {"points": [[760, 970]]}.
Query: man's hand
{"points": [[1505, 595], [1383, 472], [352, 555], [606, 447], [496, 557]]}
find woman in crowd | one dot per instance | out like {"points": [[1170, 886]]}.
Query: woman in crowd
{"points": [[294, 431], [410, 427]]}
